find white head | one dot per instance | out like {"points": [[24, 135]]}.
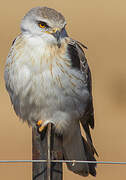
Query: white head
{"points": [[46, 23]]}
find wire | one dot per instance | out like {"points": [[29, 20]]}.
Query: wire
{"points": [[61, 161]]}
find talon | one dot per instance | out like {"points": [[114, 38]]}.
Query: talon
{"points": [[39, 123], [41, 128]]}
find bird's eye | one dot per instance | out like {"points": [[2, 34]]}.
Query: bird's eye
{"points": [[42, 24]]}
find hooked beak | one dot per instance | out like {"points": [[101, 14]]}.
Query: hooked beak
{"points": [[57, 35]]}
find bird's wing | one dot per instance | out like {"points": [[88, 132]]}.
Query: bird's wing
{"points": [[80, 61], [76, 147], [8, 83]]}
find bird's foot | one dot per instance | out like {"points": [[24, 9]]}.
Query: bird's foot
{"points": [[40, 125]]}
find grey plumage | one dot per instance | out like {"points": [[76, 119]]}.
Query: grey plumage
{"points": [[48, 78], [80, 62]]}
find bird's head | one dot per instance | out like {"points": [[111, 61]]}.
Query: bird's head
{"points": [[46, 23]]}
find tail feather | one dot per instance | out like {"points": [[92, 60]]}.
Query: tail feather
{"points": [[76, 148], [90, 157], [88, 136]]}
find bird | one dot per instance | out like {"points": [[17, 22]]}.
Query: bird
{"points": [[48, 80]]}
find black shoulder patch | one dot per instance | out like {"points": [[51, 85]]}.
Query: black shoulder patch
{"points": [[72, 51]]}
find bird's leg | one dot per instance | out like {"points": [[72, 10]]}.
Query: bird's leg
{"points": [[40, 125]]}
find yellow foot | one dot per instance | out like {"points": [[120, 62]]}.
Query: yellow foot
{"points": [[39, 124]]}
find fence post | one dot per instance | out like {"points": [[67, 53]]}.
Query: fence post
{"points": [[42, 150]]}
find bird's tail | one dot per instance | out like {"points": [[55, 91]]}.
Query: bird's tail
{"points": [[75, 147]]}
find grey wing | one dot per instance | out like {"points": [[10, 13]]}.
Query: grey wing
{"points": [[76, 147], [87, 120], [8, 83]]}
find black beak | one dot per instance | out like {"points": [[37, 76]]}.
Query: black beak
{"points": [[60, 35], [57, 35]]}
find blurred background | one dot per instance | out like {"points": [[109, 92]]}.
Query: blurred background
{"points": [[101, 26]]}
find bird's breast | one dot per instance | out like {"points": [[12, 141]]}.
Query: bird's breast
{"points": [[42, 80]]}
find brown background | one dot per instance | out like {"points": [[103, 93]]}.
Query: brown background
{"points": [[101, 25]]}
